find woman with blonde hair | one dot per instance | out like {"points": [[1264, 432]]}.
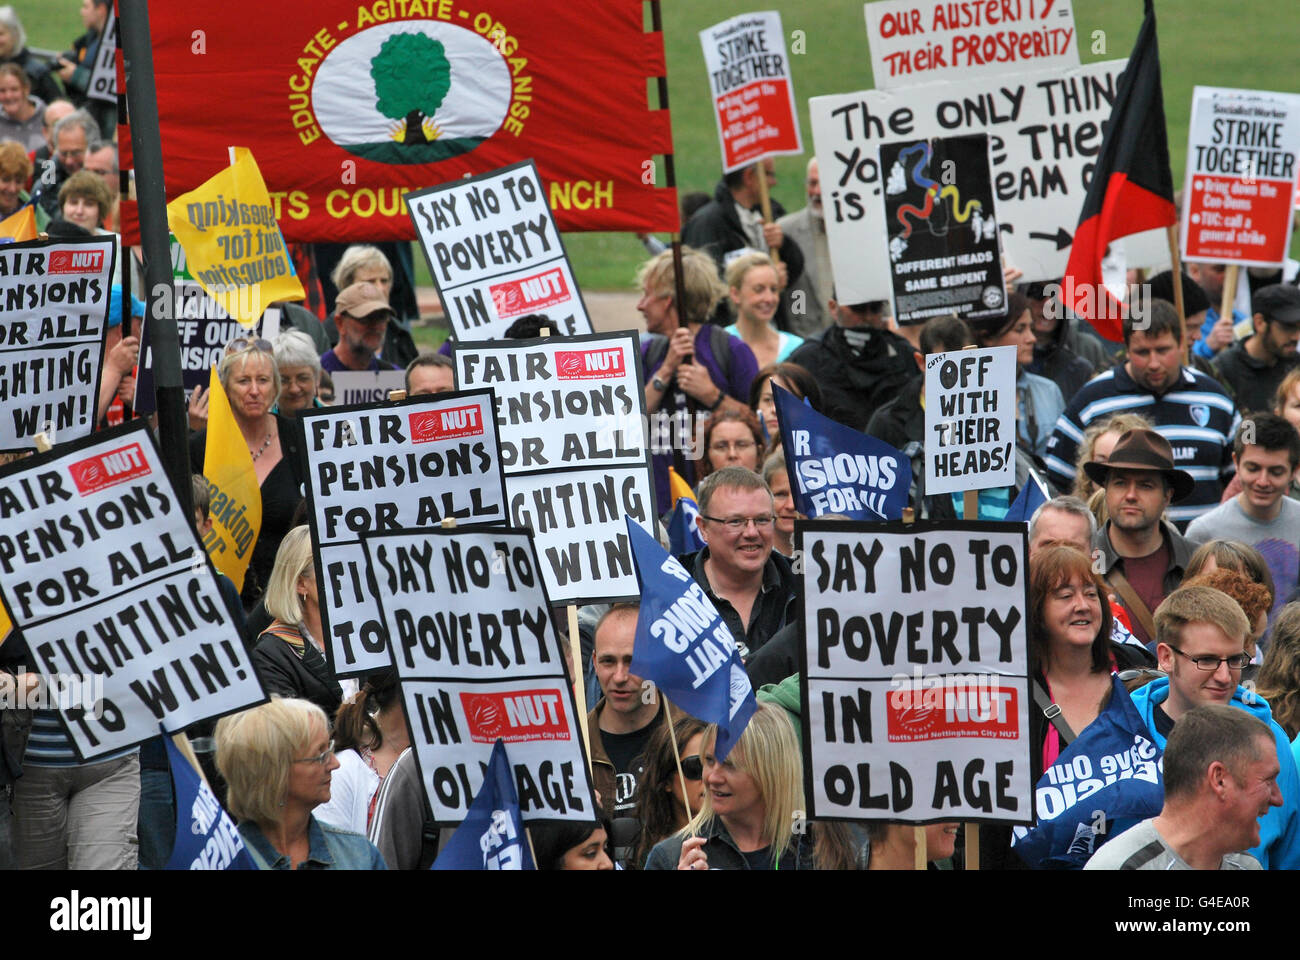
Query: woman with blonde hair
{"points": [[1098, 441], [290, 653], [756, 294], [751, 800], [277, 761]]}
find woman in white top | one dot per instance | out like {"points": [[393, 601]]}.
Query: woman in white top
{"points": [[756, 294], [369, 735]]}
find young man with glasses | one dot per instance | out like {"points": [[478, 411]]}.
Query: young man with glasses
{"points": [[751, 585], [1200, 642]]}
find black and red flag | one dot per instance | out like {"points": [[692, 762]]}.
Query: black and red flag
{"points": [[1132, 189]]}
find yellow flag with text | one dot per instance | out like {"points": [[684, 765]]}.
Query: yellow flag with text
{"points": [[19, 226], [236, 499], [233, 245]]}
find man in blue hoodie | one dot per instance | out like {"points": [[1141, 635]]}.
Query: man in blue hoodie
{"points": [[1200, 643]]}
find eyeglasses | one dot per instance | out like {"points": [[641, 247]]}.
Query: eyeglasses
{"points": [[740, 446], [241, 344], [322, 758], [740, 523], [1238, 661], [692, 767]]}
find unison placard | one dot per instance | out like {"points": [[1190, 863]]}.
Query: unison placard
{"points": [[479, 659], [102, 571], [386, 466], [915, 675]]}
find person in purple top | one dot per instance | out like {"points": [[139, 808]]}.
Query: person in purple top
{"points": [[691, 371], [361, 313]]}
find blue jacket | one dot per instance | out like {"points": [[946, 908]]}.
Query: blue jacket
{"points": [[1040, 405], [1279, 829], [330, 849]]}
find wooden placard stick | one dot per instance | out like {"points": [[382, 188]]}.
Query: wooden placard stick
{"points": [[765, 204], [1176, 265]]}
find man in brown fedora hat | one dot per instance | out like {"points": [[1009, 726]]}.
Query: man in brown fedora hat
{"points": [[1140, 554]]}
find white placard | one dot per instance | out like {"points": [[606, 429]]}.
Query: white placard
{"points": [[916, 691], [365, 386], [384, 467], [495, 254], [479, 659], [102, 571], [970, 420], [103, 75], [930, 41], [1044, 136], [54, 299]]}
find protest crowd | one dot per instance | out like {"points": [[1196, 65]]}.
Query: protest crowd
{"points": [[1149, 487]]}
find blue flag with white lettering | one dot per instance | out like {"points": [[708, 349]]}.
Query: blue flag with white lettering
{"points": [[1032, 496], [206, 837], [1110, 773], [835, 469], [491, 837], [684, 647], [683, 533]]}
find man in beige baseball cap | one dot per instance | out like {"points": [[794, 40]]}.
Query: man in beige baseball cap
{"points": [[361, 313]]}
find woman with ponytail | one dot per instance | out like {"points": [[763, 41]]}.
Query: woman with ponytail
{"points": [[369, 735]]}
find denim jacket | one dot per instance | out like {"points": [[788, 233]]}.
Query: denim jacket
{"points": [[330, 849]]}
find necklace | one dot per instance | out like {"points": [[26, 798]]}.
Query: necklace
{"points": [[265, 443]]}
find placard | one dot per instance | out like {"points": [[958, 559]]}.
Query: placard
{"points": [[932, 41], [752, 89], [914, 680], [366, 386], [1241, 176], [388, 466], [53, 322], [103, 73], [1044, 132], [571, 412], [970, 420], [495, 254], [479, 660], [102, 570], [944, 253]]}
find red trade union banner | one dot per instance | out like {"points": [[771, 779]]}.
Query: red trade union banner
{"points": [[349, 105], [753, 93], [1241, 176]]}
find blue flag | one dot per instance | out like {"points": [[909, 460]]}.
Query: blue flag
{"points": [[1032, 496], [491, 837], [684, 647], [206, 837], [1110, 773], [834, 469], [683, 533]]}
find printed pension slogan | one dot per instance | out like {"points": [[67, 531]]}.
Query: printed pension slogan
{"points": [[53, 316], [915, 690], [1045, 131], [495, 254], [382, 467], [970, 420], [572, 416], [479, 659], [101, 569]]}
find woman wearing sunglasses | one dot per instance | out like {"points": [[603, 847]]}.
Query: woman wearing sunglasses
{"points": [[277, 760], [750, 800], [660, 806], [251, 379]]}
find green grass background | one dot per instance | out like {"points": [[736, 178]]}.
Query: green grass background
{"points": [[1251, 44]]}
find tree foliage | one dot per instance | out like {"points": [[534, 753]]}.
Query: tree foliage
{"points": [[411, 73]]}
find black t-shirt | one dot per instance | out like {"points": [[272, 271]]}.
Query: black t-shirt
{"points": [[1164, 723], [758, 859], [626, 751]]}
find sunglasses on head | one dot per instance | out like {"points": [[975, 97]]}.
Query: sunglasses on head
{"points": [[692, 767], [241, 344]]}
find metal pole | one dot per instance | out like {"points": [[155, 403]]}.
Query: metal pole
{"points": [[133, 32]]}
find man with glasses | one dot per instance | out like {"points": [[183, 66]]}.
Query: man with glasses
{"points": [[361, 314], [1200, 644], [751, 585], [74, 136]]}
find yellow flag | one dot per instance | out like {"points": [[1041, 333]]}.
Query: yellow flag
{"points": [[20, 225], [5, 626], [678, 488], [233, 245], [236, 506]]}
